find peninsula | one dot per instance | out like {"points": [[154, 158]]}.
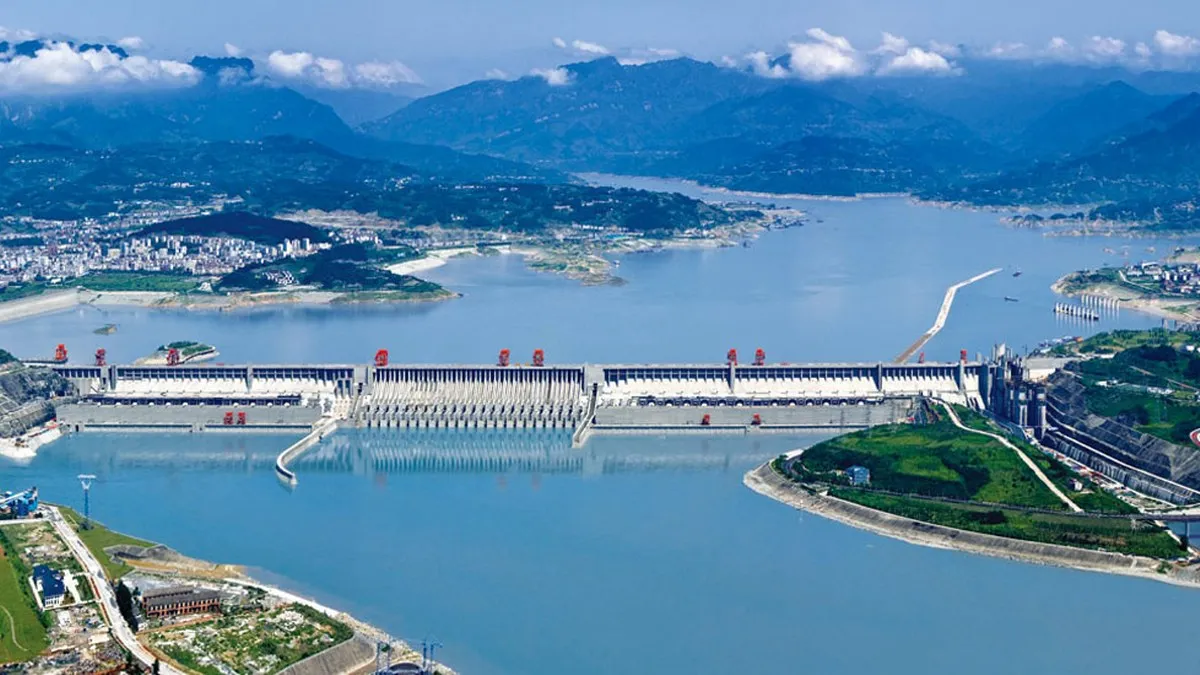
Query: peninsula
{"points": [[953, 479], [1169, 289]]}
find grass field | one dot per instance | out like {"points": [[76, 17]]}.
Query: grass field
{"points": [[22, 635], [935, 460], [97, 537], [1082, 532], [138, 281]]}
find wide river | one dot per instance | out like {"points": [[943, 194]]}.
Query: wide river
{"points": [[636, 554]]}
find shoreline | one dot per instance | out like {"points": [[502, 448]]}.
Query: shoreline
{"points": [[56, 301], [1128, 299], [766, 482]]}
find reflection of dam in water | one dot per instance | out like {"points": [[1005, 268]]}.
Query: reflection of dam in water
{"points": [[371, 452]]}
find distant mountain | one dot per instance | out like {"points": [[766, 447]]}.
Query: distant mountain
{"points": [[1086, 121], [1160, 163], [361, 106], [603, 110]]}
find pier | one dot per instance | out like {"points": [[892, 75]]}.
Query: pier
{"points": [[942, 315]]}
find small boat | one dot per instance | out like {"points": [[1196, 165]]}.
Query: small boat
{"points": [[1009, 298], [1018, 273]]}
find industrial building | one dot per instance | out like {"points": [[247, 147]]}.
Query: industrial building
{"points": [[19, 505], [178, 601]]}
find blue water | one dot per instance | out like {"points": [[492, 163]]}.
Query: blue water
{"points": [[651, 556]]}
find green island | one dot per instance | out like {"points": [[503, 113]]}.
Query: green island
{"points": [[1169, 289], [346, 268], [940, 474], [1149, 380]]}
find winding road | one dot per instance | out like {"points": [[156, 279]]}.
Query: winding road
{"points": [[1024, 458]]}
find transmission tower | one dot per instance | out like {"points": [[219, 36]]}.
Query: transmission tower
{"points": [[427, 649], [85, 479]]}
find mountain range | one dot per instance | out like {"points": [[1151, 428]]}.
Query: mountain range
{"points": [[1123, 143]]}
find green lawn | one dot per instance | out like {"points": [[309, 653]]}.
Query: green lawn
{"points": [[139, 281], [1082, 532], [22, 635], [936, 460], [97, 538]]}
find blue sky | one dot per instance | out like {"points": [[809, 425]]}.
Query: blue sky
{"points": [[446, 40]]}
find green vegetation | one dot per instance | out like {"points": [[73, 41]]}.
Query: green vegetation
{"points": [[187, 348], [26, 290], [1086, 279], [165, 282], [1095, 533], [97, 538], [1149, 384], [935, 460], [252, 640], [1119, 340], [345, 268], [239, 225], [22, 627]]}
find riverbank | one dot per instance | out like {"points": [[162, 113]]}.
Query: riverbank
{"points": [[767, 482], [1128, 298], [50, 303]]}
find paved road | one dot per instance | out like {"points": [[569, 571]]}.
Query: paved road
{"points": [[943, 314], [1024, 458], [107, 599]]}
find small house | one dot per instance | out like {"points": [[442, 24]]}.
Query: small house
{"points": [[49, 585], [859, 475]]}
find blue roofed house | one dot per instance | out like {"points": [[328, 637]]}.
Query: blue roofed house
{"points": [[859, 475], [49, 585]]}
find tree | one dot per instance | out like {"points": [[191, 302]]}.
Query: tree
{"points": [[125, 605], [154, 668]]}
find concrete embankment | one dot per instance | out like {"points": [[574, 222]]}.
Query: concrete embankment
{"points": [[765, 481], [53, 301], [347, 657], [319, 431]]}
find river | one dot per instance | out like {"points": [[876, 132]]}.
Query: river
{"points": [[647, 554]]}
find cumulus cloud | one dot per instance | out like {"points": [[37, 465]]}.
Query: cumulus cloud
{"points": [[132, 43], [1104, 48], [58, 66], [1008, 50], [823, 56], [496, 74], [763, 65], [915, 60], [17, 35], [555, 77], [1171, 44], [559, 42], [946, 49], [589, 47], [335, 74], [232, 50], [638, 57], [891, 44]]}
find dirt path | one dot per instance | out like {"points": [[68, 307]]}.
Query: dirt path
{"points": [[1024, 458], [12, 624]]}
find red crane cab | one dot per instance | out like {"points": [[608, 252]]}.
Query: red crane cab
{"points": [[241, 419], [503, 360], [101, 357], [539, 358], [756, 420], [706, 420], [228, 419], [172, 357], [60, 353], [731, 357], [760, 357], [381, 358]]}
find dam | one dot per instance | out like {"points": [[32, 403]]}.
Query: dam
{"points": [[583, 399]]}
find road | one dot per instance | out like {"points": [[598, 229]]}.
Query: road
{"points": [[943, 314], [106, 597], [1195, 436], [1024, 458]]}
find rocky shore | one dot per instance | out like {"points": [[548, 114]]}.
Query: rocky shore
{"points": [[765, 481]]}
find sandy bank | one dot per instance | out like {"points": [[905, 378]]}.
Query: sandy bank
{"points": [[765, 481], [433, 259], [46, 303], [1163, 308]]}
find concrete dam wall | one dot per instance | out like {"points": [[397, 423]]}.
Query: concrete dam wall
{"points": [[584, 398]]}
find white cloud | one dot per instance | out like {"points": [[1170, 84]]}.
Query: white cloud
{"points": [[729, 62], [915, 60], [590, 48], [891, 44], [1143, 51], [381, 74], [1100, 48], [946, 49], [760, 63], [1172, 44], [1008, 50], [496, 74], [16, 35], [664, 53], [58, 66], [555, 77], [559, 42], [335, 74], [132, 43], [1058, 46], [232, 50], [824, 57]]}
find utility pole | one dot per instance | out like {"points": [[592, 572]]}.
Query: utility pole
{"points": [[85, 479], [427, 649]]}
